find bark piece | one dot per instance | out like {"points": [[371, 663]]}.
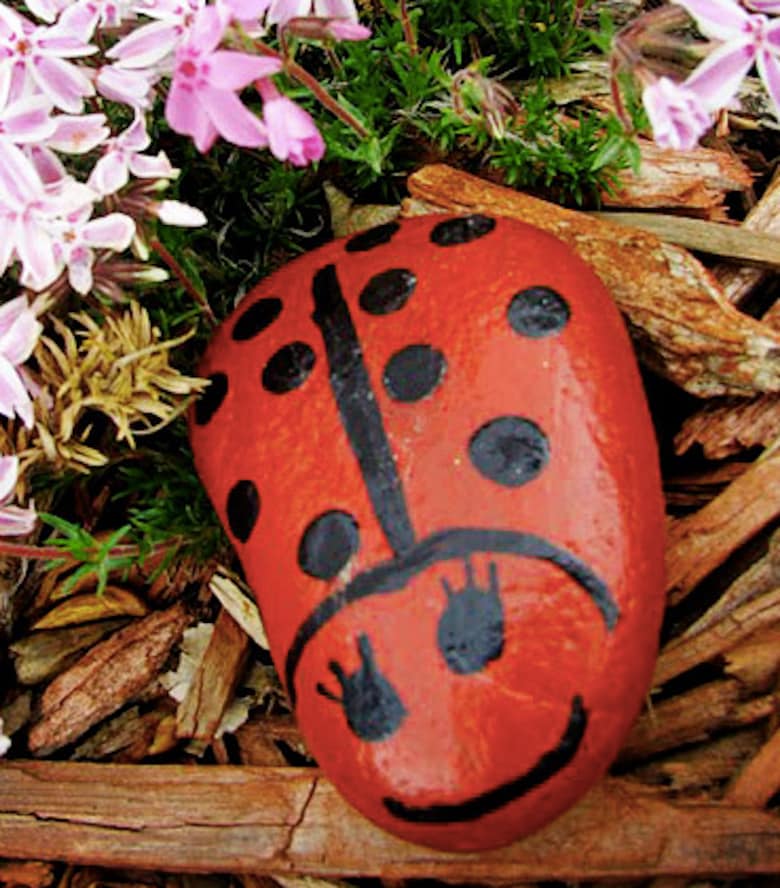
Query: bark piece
{"points": [[728, 427], [214, 681], [105, 678], [41, 655], [287, 821], [693, 717], [26, 874], [684, 653], [90, 607], [259, 739], [684, 326], [759, 780], [699, 543]]}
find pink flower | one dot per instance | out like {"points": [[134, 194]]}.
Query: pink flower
{"points": [[81, 18], [19, 332], [78, 133], [281, 11], [746, 39], [27, 208], [32, 60], [27, 121], [150, 44], [123, 156], [292, 134], [77, 235], [133, 88], [202, 100], [676, 114], [14, 521]]}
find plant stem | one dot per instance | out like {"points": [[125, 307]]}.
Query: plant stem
{"points": [[182, 277], [315, 87], [406, 23], [39, 553]]}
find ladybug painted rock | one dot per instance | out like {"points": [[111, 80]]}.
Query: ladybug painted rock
{"points": [[430, 446]]}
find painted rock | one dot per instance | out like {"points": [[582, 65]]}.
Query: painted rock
{"points": [[430, 447]]}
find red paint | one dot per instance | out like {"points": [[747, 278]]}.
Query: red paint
{"points": [[558, 700]]}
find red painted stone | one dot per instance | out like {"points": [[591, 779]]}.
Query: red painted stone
{"points": [[430, 446]]}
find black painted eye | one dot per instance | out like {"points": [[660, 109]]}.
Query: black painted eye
{"points": [[538, 312], [374, 237], [510, 450], [387, 291], [243, 509], [414, 372], [256, 318], [471, 630], [463, 230], [372, 707], [211, 399], [327, 544], [288, 368]]}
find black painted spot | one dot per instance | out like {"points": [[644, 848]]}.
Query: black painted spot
{"points": [[387, 291], [461, 230], [374, 237], [372, 707], [414, 372], [256, 318], [327, 544], [510, 450], [288, 368], [471, 629], [538, 312], [211, 399], [243, 508]]}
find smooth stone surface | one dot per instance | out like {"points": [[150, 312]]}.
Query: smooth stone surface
{"points": [[431, 448]]}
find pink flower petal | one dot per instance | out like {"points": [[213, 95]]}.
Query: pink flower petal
{"points": [[6, 243], [62, 82], [19, 180], [80, 19], [174, 212], [207, 30], [35, 250], [14, 399], [292, 133], [6, 69], [27, 120], [146, 46], [46, 10], [717, 79], [48, 166], [114, 232], [79, 134], [247, 10], [124, 86], [281, 11], [769, 70], [109, 174], [342, 29], [186, 116], [235, 70], [80, 271], [15, 521], [145, 166], [20, 330], [767, 6], [9, 473], [234, 122], [336, 9], [721, 19], [773, 35], [135, 137]]}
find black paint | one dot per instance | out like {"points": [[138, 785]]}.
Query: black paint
{"points": [[548, 765], [288, 368], [387, 291], [447, 545], [256, 318], [372, 707], [471, 630], [414, 372], [211, 400], [538, 312], [509, 450], [243, 508], [462, 230], [327, 544], [359, 413], [374, 237]]}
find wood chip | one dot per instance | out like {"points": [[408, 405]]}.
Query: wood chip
{"points": [[726, 241], [693, 717], [214, 681], [728, 427], [699, 543], [259, 740], [237, 600], [687, 652], [105, 678], [26, 874], [759, 780], [42, 655], [291, 821], [682, 323], [90, 607]]}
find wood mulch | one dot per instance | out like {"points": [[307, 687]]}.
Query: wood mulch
{"points": [[150, 734]]}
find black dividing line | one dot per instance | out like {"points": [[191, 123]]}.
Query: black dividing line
{"points": [[359, 413], [447, 545], [547, 766]]}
